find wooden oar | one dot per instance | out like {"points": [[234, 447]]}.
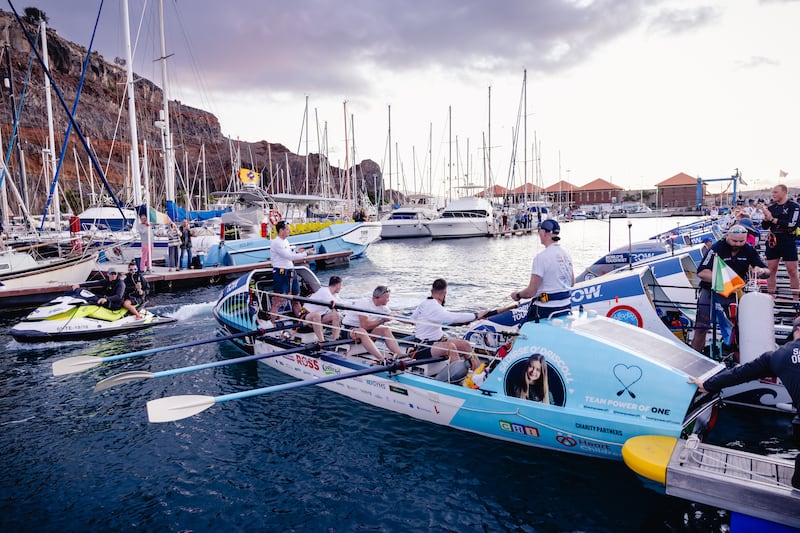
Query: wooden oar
{"points": [[126, 377], [336, 305], [71, 365], [174, 408]]}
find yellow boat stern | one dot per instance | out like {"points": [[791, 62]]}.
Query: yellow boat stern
{"points": [[649, 455]]}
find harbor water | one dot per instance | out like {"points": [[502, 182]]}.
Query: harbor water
{"points": [[308, 459]]}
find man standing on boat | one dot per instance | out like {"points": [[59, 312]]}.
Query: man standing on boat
{"points": [[781, 218], [552, 277], [428, 317], [783, 363], [284, 280], [738, 255]]}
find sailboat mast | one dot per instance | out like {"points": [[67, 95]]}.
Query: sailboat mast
{"points": [[137, 188], [169, 153], [346, 163], [51, 148], [525, 137], [391, 203]]}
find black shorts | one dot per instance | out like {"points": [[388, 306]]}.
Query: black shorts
{"points": [[785, 248]]}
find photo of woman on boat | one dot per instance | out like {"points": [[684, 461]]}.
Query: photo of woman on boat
{"points": [[532, 384]]}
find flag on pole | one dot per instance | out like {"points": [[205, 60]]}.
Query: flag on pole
{"points": [[725, 280], [782, 173], [724, 324], [248, 176]]}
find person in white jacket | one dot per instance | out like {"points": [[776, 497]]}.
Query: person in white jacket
{"points": [[429, 317], [284, 280]]}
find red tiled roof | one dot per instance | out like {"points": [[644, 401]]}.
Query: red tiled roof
{"points": [[497, 190], [681, 179], [561, 186], [527, 188], [600, 185]]}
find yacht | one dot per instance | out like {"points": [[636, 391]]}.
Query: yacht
{"points": [[465, 217], [409, 220]]}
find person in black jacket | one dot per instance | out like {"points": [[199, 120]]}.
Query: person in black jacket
{"points": [[783, 363], [782, 218], [136, 285], [111, 293]]}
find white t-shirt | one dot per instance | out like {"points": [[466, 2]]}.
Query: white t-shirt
{"points": [[351, 317], [281, 254], [429, 316], [322, 295], [554, 266]]}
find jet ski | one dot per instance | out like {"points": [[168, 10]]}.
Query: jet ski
{"points": [[75, 317]]}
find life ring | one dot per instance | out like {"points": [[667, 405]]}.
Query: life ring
{"points": [[274, 216]]}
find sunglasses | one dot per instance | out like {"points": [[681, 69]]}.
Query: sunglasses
{"points": [[737, 231], [380, 292]]}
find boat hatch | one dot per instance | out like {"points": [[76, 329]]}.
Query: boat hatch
{"points": [[641, 342]]}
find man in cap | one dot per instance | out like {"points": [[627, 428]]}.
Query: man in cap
{"points": [[783, 363], [552, 277], [112, 293]]}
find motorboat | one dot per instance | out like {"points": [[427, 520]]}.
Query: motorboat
{"points": [[409, 220], [464, 217], [73, 317], [20, 270], [607, 381]]}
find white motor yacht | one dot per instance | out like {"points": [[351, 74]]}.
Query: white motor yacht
{"points": [[465, 217]]}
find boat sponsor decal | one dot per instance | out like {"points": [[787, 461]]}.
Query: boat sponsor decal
{"points": [[305, 361], [330, 369], [586, 445], [398, 390], [634, 257], [552, 358], [627, 314], [375, 383], [598, 429], [513, 427]]}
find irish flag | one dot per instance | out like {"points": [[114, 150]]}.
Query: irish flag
{"points": [[724, 280]]}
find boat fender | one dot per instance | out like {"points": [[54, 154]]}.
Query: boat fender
{"points": [[756, 325], [274, 216]]}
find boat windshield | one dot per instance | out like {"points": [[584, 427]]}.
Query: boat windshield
{"points": [[479, 213]]}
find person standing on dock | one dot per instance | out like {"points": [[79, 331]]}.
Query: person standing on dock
{"points": [[552, 277], [738, 255], [146, 236], [186, 245], [783, 363], [284, 280], [173, 245], [781, 218]]}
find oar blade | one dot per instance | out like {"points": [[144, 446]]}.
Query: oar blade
{"points": [[174, 408], [119, 379], [71, 365]]}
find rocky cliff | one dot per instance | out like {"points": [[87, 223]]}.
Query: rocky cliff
{"points": [[102, 116]]}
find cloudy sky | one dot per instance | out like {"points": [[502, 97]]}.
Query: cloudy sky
{"points": [[631, 91]]}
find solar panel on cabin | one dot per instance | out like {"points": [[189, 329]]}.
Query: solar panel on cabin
{"points": [[647, 347]]}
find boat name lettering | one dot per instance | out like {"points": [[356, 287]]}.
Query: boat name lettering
{"points": [[627, 405], [513, 427], [375, 383], [309, 362], [616, 258], [586, 293], [599, 429]]}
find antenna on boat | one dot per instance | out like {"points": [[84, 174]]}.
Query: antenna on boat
{"points": [[630, 247]]}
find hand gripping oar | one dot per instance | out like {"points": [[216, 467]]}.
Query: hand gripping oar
{"points": [[174, 408], [125, 377], [71, 365]]}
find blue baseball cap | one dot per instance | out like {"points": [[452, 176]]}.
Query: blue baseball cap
{"points": [[550, 226]]}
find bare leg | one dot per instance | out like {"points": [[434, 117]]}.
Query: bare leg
{"points": [[773, 273], [333, 319], [388, 339], [794, 279], [315, 319], [131, 309], [363, 337]]}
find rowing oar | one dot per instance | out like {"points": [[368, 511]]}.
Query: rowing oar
{"points": [[336, 305], [71, 365], [126, 377], [174, 408]]}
